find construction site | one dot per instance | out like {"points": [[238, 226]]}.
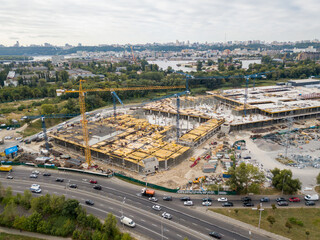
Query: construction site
{"points": [[160, 133]]}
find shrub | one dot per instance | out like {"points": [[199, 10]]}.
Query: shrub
{"points": [[295, 221]]}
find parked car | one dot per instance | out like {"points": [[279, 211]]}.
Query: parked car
{"points": [[310, 203], [167, 198], [222, 199], [153, 199], [185, 199], [246, 199], [33, 176], [188, 203], [166, 215], [227, 204], [73, 186], [97, 187], [283, 203], [207, 203], [156, 207], [89, 202], [248, 204], [206, 199], [294, 199], [265, 199], [280, 199], [215, 235], [46, 174], [59, 179], [93, 181]]}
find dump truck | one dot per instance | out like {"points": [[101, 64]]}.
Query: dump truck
{"points": [[5, 168], [147, 192]]}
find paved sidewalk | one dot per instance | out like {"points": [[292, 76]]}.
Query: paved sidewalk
{"points": [[30, 234], [243, 225]]}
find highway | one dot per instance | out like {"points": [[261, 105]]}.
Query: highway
{"points": [[117, 196]]}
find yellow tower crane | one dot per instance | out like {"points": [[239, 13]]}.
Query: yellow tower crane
{"points": [[82, 93]]}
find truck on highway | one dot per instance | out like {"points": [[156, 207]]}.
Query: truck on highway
{"points": [[127, 221], [314, 197], [5, 168], [147, 192]]}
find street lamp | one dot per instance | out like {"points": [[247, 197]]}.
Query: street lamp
{"points": [[260, 209], [123, 202]]}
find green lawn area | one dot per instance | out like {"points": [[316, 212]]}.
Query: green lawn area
{"points": [[36, 126], [310, 217], [317, 188], [7, 236]]}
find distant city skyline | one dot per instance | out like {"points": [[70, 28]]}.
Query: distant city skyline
{"points": [[144, 21]]}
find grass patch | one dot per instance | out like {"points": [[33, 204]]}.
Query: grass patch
{"points": [[36, 126], [302, 220], [269, 191], [7, 236], [317, 188]]}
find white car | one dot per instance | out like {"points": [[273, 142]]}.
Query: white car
{"points": [[223, 199], [188, 203], [153, 199], [7, 137], [18, 138], [35, 172], [35, 188], [207, 203], [156, 207], [166, 215]]}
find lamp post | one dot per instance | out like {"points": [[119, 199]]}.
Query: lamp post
{"points": [[260, 209], [161, 229], [123, 202]]}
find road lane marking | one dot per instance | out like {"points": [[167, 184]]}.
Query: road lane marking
{"points": [[182, 219], [130, 216], [195, 224], [154, 225], [110, 208], [208, 229], [179, 235], [142, 220]]}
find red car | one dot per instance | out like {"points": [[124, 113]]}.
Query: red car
{"points": [[294, 199], [93, 181]]}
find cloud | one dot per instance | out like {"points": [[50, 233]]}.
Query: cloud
{"points": [[141, 21]]}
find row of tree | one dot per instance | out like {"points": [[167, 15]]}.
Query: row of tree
{"points": [[55, 215]]}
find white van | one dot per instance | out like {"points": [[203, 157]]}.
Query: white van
{"points": [[127, 221], [314, 197]]}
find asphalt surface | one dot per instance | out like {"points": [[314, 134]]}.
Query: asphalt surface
{"points": [[117, 196]]}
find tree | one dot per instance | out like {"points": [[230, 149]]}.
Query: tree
{"points": [[47, 109], [33, 221], [126, 236], [245, 177], [199, 66], [110, 226], [288, 225], [318, 179], [271, 220], [307, 234], [9, 213], [282, 180], [69, 208], [274, 207]]}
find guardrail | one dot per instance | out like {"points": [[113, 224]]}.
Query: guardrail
{"points": [[85, 172], [207, 192]]}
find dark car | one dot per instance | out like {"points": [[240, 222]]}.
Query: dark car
{"points": [[280, 199], [167, 198], [283, 203], [227, 204], [206, 200], [97, 187], [46, 174], [73, 186], [185, 199], [215, 235], [310, 203], [59, 180], [246, 199], [89, 202], [248, 204], [265, 199]]}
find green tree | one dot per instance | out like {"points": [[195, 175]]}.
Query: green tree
{"points": [[126, 236], [26, 199], [110, 226], [69, 208], [318, 179], [199, 66], [9, 214], [33, 221], [271, 220], [288, 225], [47, 109], [244, 177], [282, 180], [20, 223]]}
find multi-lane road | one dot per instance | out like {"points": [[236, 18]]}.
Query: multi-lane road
{"points": [[117, 196]]}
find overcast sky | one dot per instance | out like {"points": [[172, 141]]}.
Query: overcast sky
{"points": [[93, 22]]}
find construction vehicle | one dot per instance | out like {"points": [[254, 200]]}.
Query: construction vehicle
{"points": [[197, 180], [5, 168], [1, 141], [147, 192]]}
